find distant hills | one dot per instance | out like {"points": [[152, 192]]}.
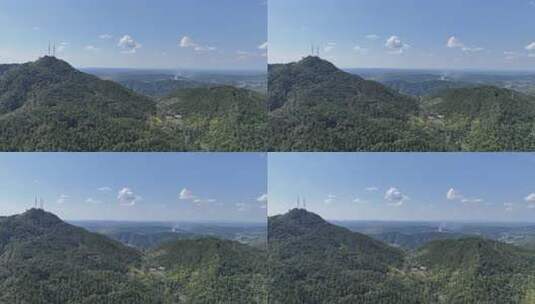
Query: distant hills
{"points": [[47, 105], [45, 260], [313, 261], [315, 106]]}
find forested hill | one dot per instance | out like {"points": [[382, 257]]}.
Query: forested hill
{"points": [[313, 80], [314, 106], [47, 105], [219, 118], [45, 260], [486, 118], [313, 261], [476, 270]]}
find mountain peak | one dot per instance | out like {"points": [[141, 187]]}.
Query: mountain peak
{"points": [[296, 222], [39, 217], [317, 64], [54, 64], [303, 217]]}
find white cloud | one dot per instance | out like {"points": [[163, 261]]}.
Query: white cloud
{"points": [[128, 44], [360, 50], [91, 48], [262, 198], [453, 194], [187, 42], [186, 194], [359, 201], [530, 198], [395, 197], [456, 43], [36, 28], [127, 197], [330, 199], [93, 201], [372, 189], [241, 206], [104, 189], [372, 37], [395, 44], [329, 47], [62, 199], [472, 49], [204, 48], [105, 36], [263, 46], [472, 200], [62, 46], [531, 46]]}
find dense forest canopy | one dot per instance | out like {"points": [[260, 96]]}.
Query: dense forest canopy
{"points": [[47, 105], [313, 261], [45, 260], [316, 107]]}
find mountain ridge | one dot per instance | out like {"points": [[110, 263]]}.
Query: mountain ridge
{"points": [[316, 107]]}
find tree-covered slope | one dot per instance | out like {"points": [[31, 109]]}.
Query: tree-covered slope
{"points": [[209, 270], [315, 106], [486, 118], [414, 240], [44, 260], [475, 270], [218, 118], [312, 261], [47, 105], [161, 87]]}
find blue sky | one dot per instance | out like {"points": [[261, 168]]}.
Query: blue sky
{"points": [[220, 34], [401, 186], [137, 186], [453, 34]]}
